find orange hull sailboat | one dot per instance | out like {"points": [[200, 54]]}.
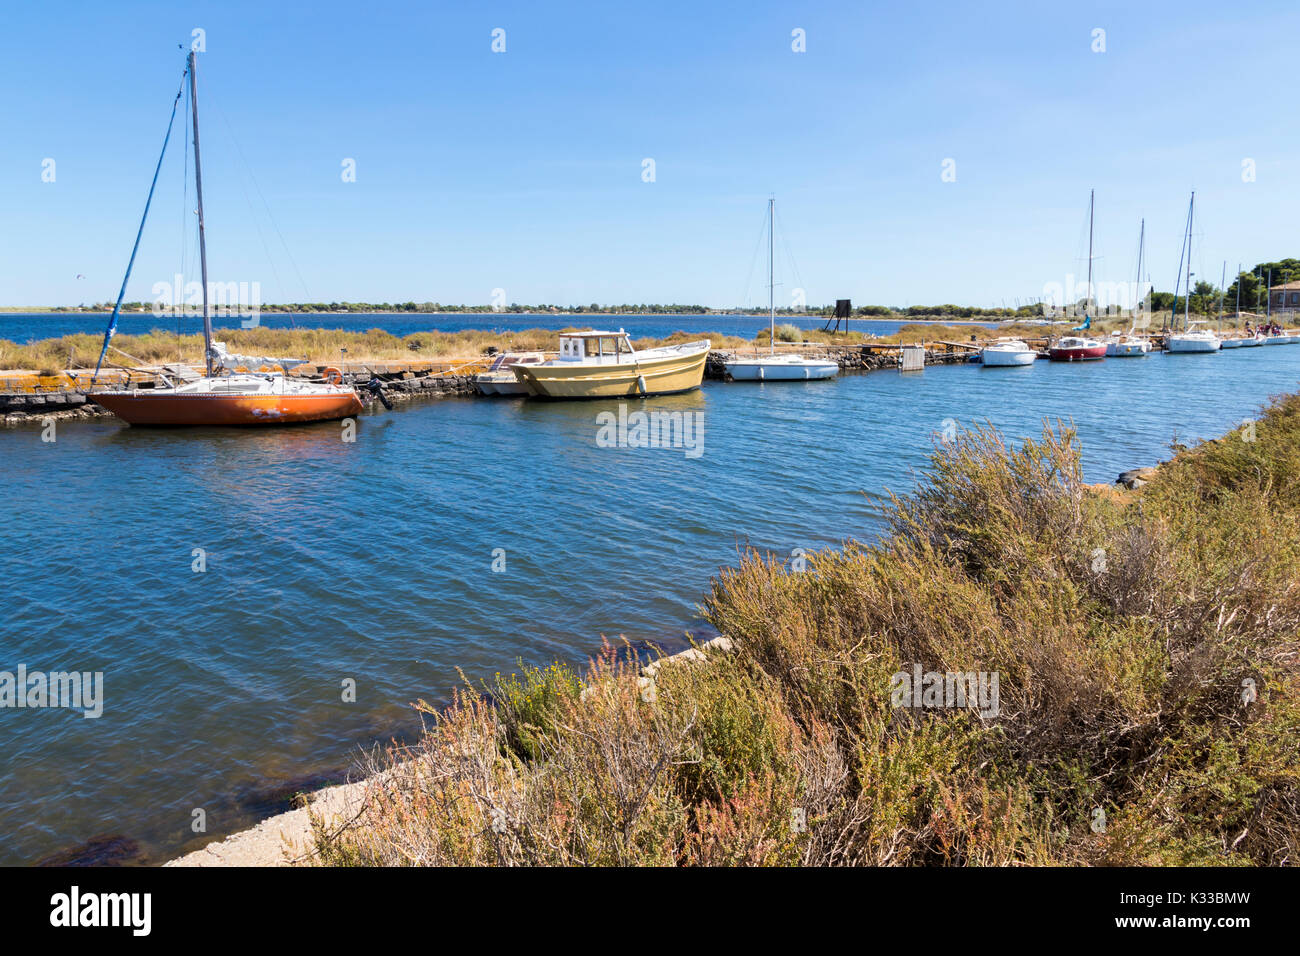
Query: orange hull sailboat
{"points": [[220, 397], [233, 400]]}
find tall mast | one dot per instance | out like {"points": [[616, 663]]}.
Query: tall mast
{"points": [[1237, 314], [1223, 277], [771, 275], [1187, 293], [1088, 301], [1137, 288], [1178, 276], [203, 247]]}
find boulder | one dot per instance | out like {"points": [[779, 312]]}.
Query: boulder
{"points": [[1135, 478]]}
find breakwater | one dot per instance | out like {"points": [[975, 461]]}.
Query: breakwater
{"points": [[32, 397], [29, 397]]}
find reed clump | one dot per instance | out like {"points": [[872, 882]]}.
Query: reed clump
{"points": [[1147, 709]]}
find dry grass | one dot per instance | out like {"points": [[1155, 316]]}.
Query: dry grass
{"points": [[1148, 713], [323, 346], [314, 345]]}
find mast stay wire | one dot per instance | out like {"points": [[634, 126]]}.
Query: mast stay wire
{"points": [[753, 259], [269, 215]]}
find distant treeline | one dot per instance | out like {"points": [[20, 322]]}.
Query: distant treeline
{"points": [[1205, 299], [874, 311], [1253, 284]]}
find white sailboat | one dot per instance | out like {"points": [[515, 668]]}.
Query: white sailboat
{"points": [[1129, 345], [1194, 339], [1190, 339], [1253, 337], [773, 367]]}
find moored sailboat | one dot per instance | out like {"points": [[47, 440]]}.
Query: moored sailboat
{"points": [[1078, 348], [1129, 344], [218, 397], [773, 367], [1190, 338], [1193, 339]]}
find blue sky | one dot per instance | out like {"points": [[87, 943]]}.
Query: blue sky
{"points": [[522, 170]]}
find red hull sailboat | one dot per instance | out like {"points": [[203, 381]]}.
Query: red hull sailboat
{"points": [[220, 397], [1077, 348]]}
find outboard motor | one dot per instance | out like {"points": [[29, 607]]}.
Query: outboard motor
{"points": [[376, 388]]}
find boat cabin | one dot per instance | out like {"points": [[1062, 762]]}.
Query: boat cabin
{"points": [[597, 347]]}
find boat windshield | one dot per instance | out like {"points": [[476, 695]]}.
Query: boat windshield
{"points": [[594, 347]]}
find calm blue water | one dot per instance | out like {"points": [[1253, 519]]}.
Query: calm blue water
{"points": [[27, 327], [372, 561]]}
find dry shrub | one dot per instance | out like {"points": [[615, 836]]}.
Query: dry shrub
{"points": [[321, 346], [1148, 709]]}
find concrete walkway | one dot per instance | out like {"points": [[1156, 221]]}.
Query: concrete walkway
{"points": [[281, 840]]}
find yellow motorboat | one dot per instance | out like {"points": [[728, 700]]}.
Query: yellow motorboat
{"points": [[604, 365]]}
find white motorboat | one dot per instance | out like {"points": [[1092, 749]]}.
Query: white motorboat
{"points": [[773, 367], [1241, 342], [1007, 352], [500, 378]]}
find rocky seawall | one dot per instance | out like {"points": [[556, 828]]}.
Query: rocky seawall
{"points": [[28, 398]]}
